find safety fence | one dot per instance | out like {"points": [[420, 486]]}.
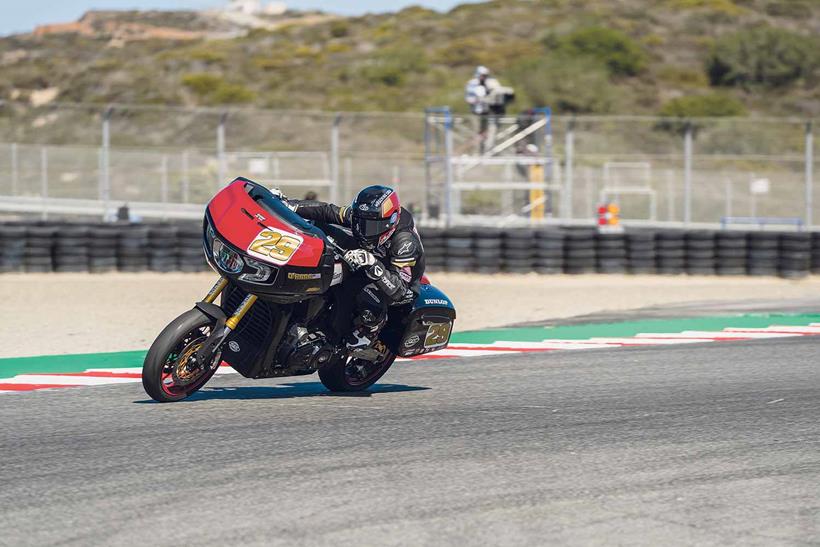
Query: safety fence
{"points": [[163, 247], [165, 159]]}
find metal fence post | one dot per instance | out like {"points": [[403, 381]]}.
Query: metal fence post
{"points": [[334, 158], [220, 150], [44, 179], [163, 180], [728, 184], [809, 174], [569, 161], [186, 178], [105, 160], [687, 174], [448, 168], [15, 170]]}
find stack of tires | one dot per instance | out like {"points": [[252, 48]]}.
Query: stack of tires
{"points": [[641, 252], [815, 252], [39, 251], [763, 253], [71, 249], [487, 246], [519, 250], [611, 253], [163, 248], [103, 249], [731, 253], [671, 252], [458, 243], [190, 254], [549, 252], [795, 255], [432, 239], [12, 248], [579, 251], [700, 253], [133, 249]]}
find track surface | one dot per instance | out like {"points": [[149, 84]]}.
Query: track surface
{"points": [[707, 444]]}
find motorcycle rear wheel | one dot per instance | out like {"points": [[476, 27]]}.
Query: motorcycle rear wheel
{"points": [[177, 341], [354, 374]]}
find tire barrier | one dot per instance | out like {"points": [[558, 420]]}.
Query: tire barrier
{"points": [[96, 248]]}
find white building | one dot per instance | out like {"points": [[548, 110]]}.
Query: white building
{"points": [[256, 7]]}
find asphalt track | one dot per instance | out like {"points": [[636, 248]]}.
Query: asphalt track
{"points": [[709, 444]]}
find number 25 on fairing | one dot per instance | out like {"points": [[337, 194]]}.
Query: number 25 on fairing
{"points": [[274, 246]]}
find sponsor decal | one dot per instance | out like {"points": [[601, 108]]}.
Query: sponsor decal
{"points": [[436, 302], [438, 334], [233, 345], [406, 274], [389, 284], [260, 217], [303, 276], [371, 294], [405, 248], [378, 271], [337, 274], [411, 341], [363, 207], [275, 245], [381, 199]]}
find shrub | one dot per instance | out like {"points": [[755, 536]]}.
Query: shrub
{"points": [[566, 84], [711, 105], [339, 28], [765, 56], [617, 51], [213, 89], [392, 66]]}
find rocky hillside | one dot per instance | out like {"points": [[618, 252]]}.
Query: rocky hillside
{"points": [[677, 57]]}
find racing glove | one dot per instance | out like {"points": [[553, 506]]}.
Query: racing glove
{"points": [[360, 258]]}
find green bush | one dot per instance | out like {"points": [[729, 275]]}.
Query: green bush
{"points": [[617, 51], [393, 65], [703, 106], [339, 28], [793, 9], [213, 89], [765, 56], [566, 84]]}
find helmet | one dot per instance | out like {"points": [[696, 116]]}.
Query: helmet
{"points": [[481, 70], [375, 215]]}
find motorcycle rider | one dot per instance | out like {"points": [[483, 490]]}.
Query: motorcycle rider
{"points": [[389, 262]]}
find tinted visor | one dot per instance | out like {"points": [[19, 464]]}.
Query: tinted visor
{"points": [[370, 228]]}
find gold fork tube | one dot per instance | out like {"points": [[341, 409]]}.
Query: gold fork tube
{"points": [[241, 311], [216, 290]]}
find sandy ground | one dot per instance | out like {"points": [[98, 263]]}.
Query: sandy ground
{"points": [[79, 313]]}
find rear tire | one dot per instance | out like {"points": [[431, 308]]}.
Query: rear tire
{"points": [[179, 338], [340, 376]]}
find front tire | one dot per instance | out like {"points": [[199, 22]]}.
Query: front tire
{"points": [[164, 376], [349, 375]]}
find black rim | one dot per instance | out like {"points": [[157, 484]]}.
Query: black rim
{"points": [[359, 371], [180, 378]]}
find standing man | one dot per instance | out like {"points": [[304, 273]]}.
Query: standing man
{"points": [[487, 99]]}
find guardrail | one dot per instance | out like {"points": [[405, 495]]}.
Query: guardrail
{"points": [[75, 247]]}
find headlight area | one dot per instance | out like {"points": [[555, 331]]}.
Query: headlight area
{"points": [[262, 274], [226, 258]]}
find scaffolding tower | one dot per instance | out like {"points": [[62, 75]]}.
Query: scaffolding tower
{"points": [[512, 159]]}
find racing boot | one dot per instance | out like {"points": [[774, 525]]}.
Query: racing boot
{"points": [[360, 343]]}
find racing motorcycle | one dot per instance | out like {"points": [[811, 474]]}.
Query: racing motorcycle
{"points": [[281, 305]]}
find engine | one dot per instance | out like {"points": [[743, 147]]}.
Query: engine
{"points": [[303, 350]]}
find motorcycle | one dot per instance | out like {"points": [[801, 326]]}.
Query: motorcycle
{"points": [[283, 308]]}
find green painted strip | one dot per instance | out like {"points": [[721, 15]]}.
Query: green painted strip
{"points": [[69, 363], [125, 359], [631, 328]]}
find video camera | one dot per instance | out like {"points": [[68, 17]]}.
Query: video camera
{"points": [[500, 96]]}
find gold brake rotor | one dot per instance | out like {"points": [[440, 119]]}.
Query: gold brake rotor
{"points": [[182, 371]]}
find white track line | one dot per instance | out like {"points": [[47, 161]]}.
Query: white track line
{"points": [[65, 380], [652, 341]]}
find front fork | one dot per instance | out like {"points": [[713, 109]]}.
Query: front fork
{"points": [[224, 324]]}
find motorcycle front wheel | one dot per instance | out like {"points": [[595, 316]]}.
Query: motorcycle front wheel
{"points": [[354, 374], [168, 374]]}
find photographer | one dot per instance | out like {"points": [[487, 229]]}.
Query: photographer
{"points": [[488, 99]]}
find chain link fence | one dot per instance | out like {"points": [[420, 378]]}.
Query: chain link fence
{"points": [[657, 170]]}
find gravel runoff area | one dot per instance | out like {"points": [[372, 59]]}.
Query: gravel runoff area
{"points": [[82, 313]]}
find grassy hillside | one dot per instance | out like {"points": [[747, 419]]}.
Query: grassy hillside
{"points": [[677, 57]]}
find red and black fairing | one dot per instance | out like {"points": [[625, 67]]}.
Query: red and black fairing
{"points": [[248, 219]]}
